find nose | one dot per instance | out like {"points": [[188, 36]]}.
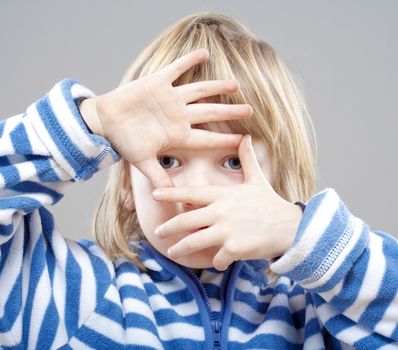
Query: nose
{"points": [[197, 175]]}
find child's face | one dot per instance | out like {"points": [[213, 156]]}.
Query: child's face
{"points": [[188, 167]]}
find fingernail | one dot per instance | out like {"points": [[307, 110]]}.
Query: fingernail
{"points": [[157, 193], [170, 252], [250, 141]]}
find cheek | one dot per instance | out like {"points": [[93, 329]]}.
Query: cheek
{"points": [[151, 213]]}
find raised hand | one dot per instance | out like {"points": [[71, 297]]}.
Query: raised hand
{"points": [[149, 115], [246, 221]]}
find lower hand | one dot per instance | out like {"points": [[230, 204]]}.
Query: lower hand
{"points": [[246, 221]]}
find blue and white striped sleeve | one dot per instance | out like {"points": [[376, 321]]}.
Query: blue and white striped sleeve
{"points": [[350, 271], [42, 297]]}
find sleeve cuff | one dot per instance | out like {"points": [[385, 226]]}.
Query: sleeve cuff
{"points": [[60, 126], [329, 240]]}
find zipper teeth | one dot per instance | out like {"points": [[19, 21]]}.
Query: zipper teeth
{"points": [[222, 301]]}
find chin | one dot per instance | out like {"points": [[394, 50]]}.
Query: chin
{"points": [[202, 259]]}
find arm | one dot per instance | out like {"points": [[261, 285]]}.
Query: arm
{"points": [[349, 269], [42, 151]]}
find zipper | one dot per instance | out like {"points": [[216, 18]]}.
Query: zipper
{"points": [[216, 324]]}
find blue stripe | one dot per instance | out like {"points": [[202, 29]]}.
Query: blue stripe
{"points": [[9, 172], [73, 279], [352, 285], [13, 306], [6, 230], [48, 327], [97, 340], [37, 265], [34, 187], [166, 316], [136, 320], [45, 172], [62, 140], [324, 245], [20, 140], [271, 341], [388, 288], [373, 341]]}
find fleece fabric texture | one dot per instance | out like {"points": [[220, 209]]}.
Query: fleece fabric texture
{"points": [[336, 286]]}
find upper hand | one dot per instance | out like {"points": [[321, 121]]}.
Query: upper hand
{"points": [[149, 115], [246, 221]]}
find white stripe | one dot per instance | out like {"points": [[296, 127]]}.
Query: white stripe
{"points": [[172, 286], [139, 336], [12, 267], [88, 291], [372, 280], [182, 330], [109, 328], [314, 342], [75, 343], [159, 302], [352, 334], [129, 279], [6, 145], [248, 313], [70, 124], [37, 146], [270, 327], [245, 286], [321, 219], [14, 335], [40, 303], [79, 90], [45, 137], [139, 307], [153, 265], [60, 249]]}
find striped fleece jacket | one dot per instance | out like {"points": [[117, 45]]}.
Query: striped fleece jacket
{"points": [[335, 288]]}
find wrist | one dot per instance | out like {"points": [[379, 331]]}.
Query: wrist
{"points": [[290, 228], [88, 111]]}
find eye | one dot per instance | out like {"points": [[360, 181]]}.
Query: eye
{"points": [[234, 162], [166, 161]]}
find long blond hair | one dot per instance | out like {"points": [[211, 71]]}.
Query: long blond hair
{"points": [[280, 117]]}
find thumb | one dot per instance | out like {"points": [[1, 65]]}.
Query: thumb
{"points": [[155, 173], [251, 169]]}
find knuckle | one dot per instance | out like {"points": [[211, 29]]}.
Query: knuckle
{"points": [[231, 248], [192, 244]]}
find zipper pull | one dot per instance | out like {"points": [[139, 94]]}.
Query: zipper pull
{"points": [[217, 333]]}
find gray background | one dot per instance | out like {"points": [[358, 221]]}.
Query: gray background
{"points": [[345, 53]]}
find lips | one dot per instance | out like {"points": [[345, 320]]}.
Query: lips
{"points": [[197, 229]]}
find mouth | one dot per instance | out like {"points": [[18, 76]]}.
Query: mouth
{"points": [[198, 229]]}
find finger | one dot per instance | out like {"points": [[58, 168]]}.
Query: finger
{"points": [[222, 259], [251, 168], [210, 112], [204, 139], [155, 173], [182, 64], [192, 220], [198, 195], [194, 242], [195, 91]]}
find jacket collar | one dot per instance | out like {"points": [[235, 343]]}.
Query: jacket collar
{"points": [[158, 265]]}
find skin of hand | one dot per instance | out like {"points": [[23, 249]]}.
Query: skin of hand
{"points": [[147, 116], [245, 221]]}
